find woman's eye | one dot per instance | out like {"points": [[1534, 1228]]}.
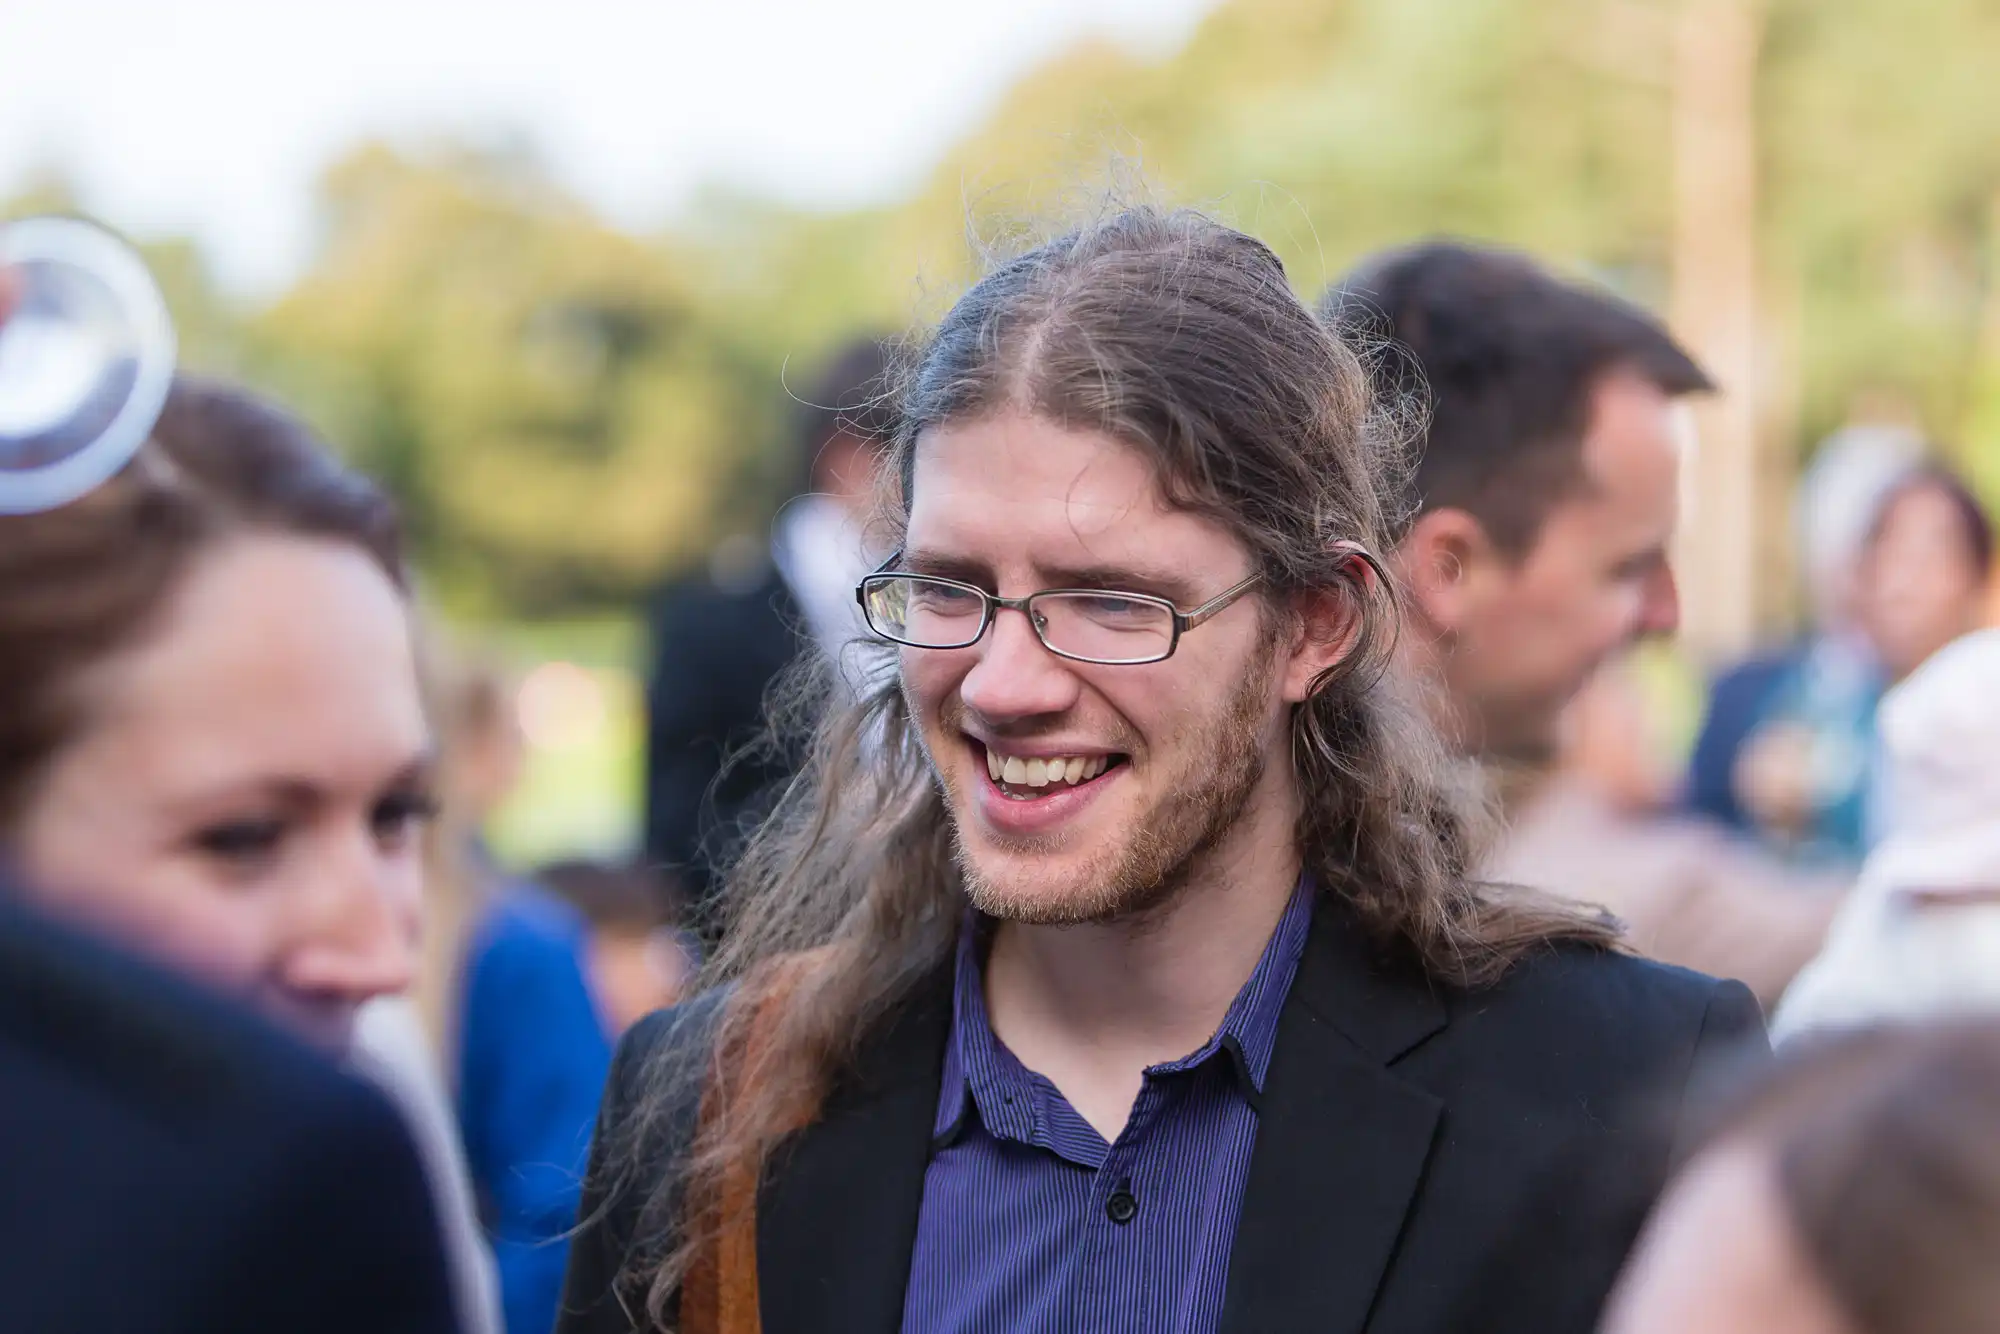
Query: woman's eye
{"points": [[241, 841], [398, 816]]}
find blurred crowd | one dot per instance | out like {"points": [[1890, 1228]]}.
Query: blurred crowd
{"points": [[221, 742]]}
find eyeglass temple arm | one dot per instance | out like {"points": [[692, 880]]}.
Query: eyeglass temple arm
{"points": [[1190, 619], [1353, 551], [861, 588]]}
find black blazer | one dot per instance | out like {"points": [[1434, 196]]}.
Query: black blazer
{"points": [[715, 654], [1428, 1160], [169, 1166]]}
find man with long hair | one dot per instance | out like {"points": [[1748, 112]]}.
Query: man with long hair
{"points": [[1115, 963]]}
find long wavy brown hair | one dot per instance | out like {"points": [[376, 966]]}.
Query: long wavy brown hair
{"points": [[1183, 339]]}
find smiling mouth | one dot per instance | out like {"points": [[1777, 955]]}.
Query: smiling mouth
{"points": [[1030, 778]]}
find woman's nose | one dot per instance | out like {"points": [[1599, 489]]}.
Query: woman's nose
{"points": [[359, 938]]}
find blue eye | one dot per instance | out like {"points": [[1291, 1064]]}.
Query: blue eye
{"points": [[1117, 612]]}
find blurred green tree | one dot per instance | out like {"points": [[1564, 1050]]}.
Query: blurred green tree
{"points": [[561, 411], [570, 411]]}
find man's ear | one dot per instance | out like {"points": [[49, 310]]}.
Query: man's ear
{"points": [[1328, 625], [1442, 561]]}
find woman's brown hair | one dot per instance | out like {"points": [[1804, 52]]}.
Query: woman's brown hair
{"points": [[86, 580]]}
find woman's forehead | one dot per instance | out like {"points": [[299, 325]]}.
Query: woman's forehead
{"points": [[287, 657]]}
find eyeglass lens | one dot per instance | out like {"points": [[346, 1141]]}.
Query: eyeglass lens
{"points": [[1104, 627]]}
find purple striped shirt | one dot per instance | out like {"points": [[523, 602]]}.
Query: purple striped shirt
{"points": [[1031, 1221]]}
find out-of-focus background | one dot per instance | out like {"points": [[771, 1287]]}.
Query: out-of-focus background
{"points": [[554, 272]]}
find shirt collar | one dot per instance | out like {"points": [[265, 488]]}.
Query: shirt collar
{"points": [[1249, 1031], [979, 1071]]}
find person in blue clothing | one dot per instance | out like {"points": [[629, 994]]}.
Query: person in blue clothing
{"points": [[556, 970], [533, 1054], [1821, 688], [1787, 750], [503, 992]]}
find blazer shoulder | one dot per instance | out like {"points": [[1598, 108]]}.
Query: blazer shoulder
{"points": [[1580, 970], [1608, 1000]]}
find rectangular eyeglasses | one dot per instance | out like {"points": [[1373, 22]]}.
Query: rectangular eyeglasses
{"points": [[1092, 625]]}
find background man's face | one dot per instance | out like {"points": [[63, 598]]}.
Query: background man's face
{"points": [[1532, 631]]}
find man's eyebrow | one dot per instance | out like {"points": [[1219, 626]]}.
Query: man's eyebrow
{"points": [[942, 566], [1122, 579], [1110, 578]]}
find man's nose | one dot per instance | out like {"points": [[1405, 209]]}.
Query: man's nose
{"points": [[1016, 676], [1660, 607]]}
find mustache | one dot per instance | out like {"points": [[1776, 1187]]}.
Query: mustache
{"points": [[954, 715]]}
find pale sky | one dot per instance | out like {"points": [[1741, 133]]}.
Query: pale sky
{"points": [[213, 117]]}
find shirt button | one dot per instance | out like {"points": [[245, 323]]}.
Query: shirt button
{"points": [[1122, 1207]]}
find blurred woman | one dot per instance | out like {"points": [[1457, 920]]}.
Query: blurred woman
{"points": [[211, 739], [1807, 774], [1925, 569], [1921, 934], [478, 753], [541, 976], [1854, 1190]]}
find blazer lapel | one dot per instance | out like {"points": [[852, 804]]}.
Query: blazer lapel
{"points": [[837, 1215], [1341, 1141]]}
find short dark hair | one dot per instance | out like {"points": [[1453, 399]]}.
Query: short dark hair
{"points": [[612, 896], [1506, 357]]}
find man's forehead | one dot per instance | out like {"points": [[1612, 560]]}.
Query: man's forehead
{"points": [[1015, 468], [1022, 491], [1637, 446]]}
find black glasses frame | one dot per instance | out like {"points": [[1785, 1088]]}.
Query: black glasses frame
{"points": [[991, 603]]}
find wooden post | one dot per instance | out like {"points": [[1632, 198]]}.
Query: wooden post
{"points": [[1714, 311]]}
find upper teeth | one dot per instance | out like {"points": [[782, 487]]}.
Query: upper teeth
{"points": [[1043, 770]]}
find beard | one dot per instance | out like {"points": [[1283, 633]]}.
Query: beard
{"points": [[1201, 801]]}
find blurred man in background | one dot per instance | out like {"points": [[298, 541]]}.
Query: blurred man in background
{"points": [[172, 1164], [723, 636], [1547, 488], [1544, 502]]}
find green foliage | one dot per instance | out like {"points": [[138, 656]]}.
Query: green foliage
{"points": [[556, 403], [569, 411]]}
